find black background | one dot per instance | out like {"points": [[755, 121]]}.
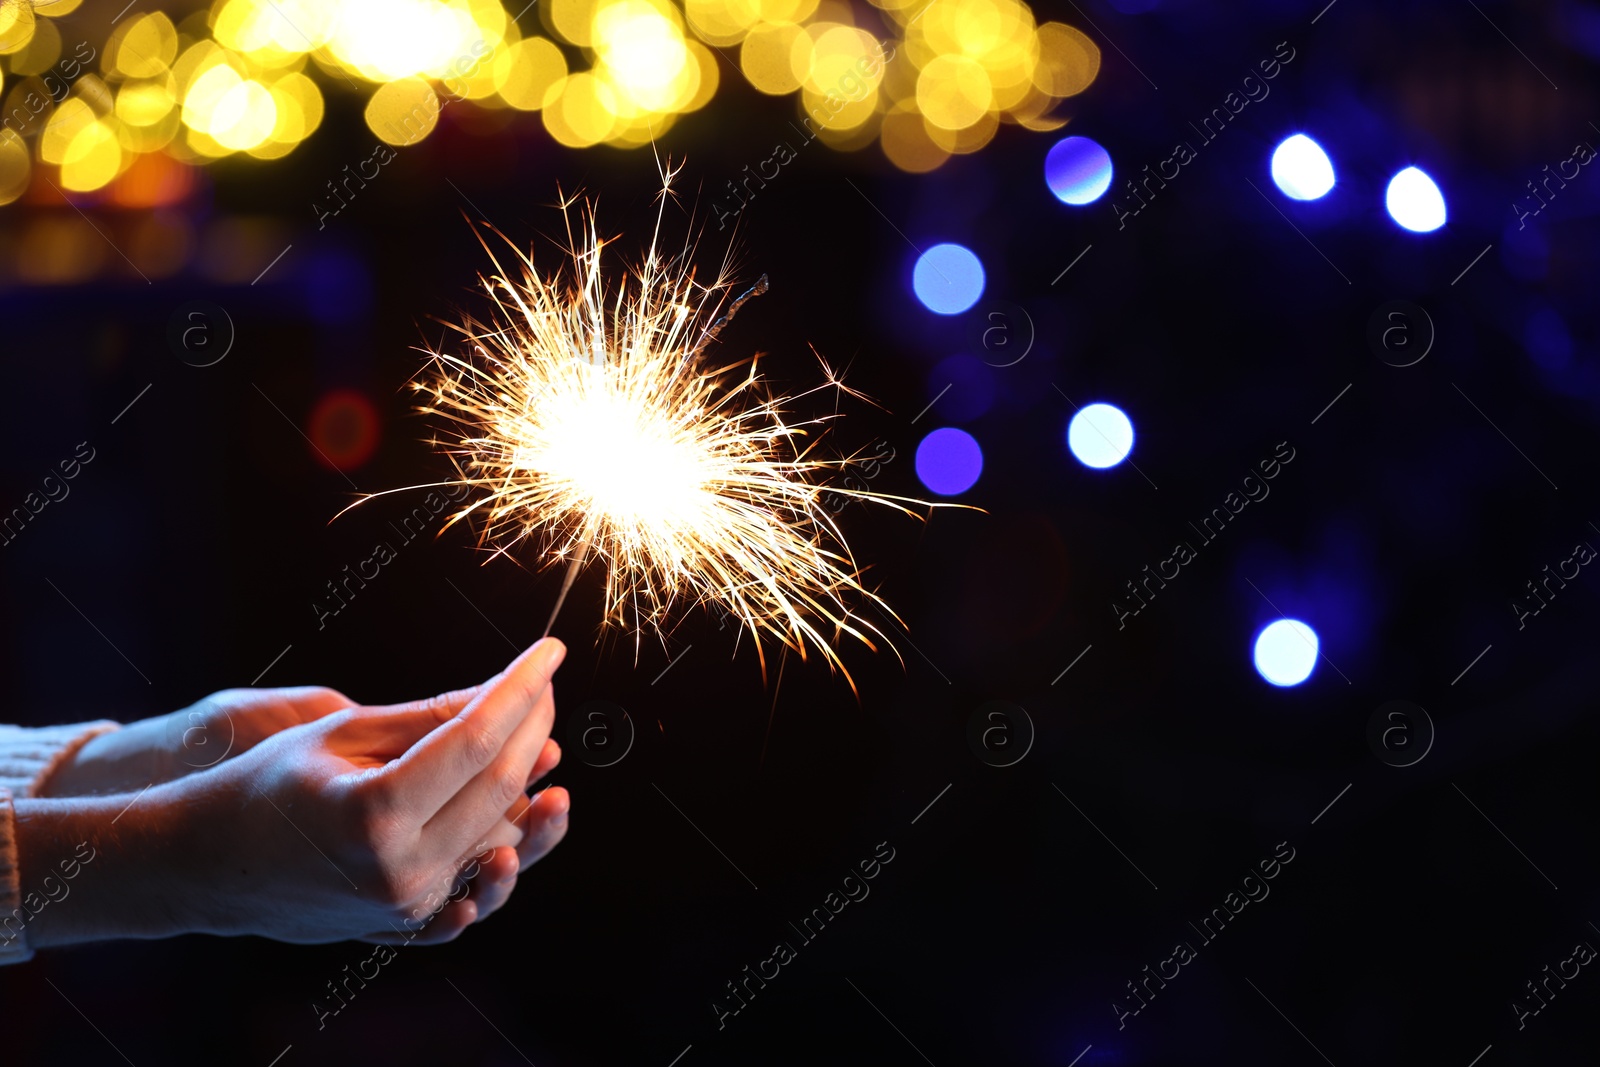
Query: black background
{"points": [[1019, 904]]}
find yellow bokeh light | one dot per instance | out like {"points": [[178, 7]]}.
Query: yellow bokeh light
{"points": [[386, 40], [55, 8], [271, 149], [16, 26], [710, 75], [572, 19], [403, 112], [274, 32], [845, 61], [146, 103], [299, 104], [765, 57], [92, 159], [954, 92], [206, 91], [71, 118], [151, 138], [582, 111], [16, 169], [967, 139], [644, 56], [479, 73], [786, 10], [722, 22], [41, 53], [201, 146], [905, 141], [246, 76], [1068, 60], [143, 47], [244, 117], [837, 113], [531, 67]]}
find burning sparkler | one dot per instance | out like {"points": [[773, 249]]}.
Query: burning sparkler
{"points": [[588, 417]]}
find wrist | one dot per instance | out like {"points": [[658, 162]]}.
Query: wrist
{"points": [[123, 759], [97, 868]]}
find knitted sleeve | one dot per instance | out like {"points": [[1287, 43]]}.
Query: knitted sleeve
{"points": [[28, 756]]}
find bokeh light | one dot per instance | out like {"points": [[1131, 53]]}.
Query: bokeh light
{"points": [[344, 428], [1301, 168], [931, 81], [949, 461], [1414, 201], [948, 279], [1286, 652], [1100, 436], [1077, 170]]}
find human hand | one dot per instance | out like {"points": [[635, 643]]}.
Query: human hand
{"points": [[167, 747], [343, 826]]}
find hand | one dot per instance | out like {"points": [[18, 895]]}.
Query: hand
{"points": [[167, 747], [356, 823]]}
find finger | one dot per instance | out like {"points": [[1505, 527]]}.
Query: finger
{"points": [[544, 825], [548, 759], [483, 802], [446, 926], [442, 763], [389, 730], [496, 881]]}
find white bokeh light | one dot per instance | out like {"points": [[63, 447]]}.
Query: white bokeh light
{"points": [[1100, 436], [1301, 168], [1286, 652], [1415, 202]]}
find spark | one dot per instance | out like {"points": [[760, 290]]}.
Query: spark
{"points": [[584, 415]]}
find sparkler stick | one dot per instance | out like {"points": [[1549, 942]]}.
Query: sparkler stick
{"points": [[566, 583]]}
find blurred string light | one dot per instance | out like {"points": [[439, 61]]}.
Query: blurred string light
{"points": [[924, 79], [1077, 170], [1414, 201], [948, 279], [1286, 652], [1302, 169], [949, 461], [1100, 436]]}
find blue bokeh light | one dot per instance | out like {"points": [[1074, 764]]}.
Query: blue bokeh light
{"points": [[949, 461], [1100, 436], [948, 279], [1286, 652], [1301, 168], [1414, 201], [1077, 170]]}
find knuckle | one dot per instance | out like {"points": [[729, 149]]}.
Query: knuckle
{"points": [[447, 704], [505, 783], [328, 698], [479, 743]]}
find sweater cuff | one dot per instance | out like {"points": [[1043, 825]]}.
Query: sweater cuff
{"points": [[30, 754], [13, 944]]}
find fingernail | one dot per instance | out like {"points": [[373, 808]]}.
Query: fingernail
{"points": [[559, 819], [552, 652]]}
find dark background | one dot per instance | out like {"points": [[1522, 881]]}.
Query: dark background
{"points": [[1020, 903]]}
